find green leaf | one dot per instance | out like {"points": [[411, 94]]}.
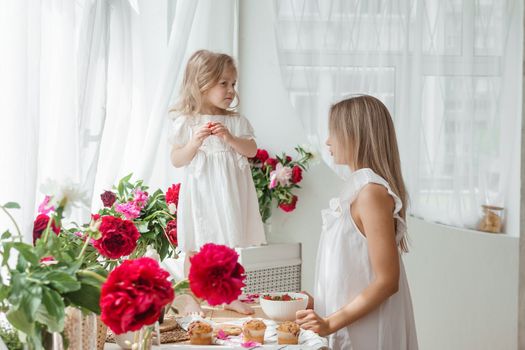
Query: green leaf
{"points": [[87, 297], [4, 292], [73, 268], [21, 263], [11, 205], [52, 312], [182, 285], [19, 320], [142, 227], [27, 252], [6, 235], [25, 304], [63, 282]]}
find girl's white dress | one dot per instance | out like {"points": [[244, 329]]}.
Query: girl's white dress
{"points": [[344, 271], [217, 200]]}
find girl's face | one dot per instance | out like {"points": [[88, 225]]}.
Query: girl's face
{"points": [[337, 151], [221, 95]]}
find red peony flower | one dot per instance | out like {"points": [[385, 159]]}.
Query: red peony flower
{"points": [[215, 275], [262, 155], [171, 231], [288, 207], [172, 194], [119, 237], [40, 225], [134, 294], [108, 198], [271, 162], [297, 174], [288, 159]]}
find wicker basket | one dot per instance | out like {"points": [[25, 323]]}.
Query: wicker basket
{"points": [[84, 332], [102, 333]]}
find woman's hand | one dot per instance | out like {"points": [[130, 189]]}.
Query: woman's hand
{"points": [[221, 131], [202, 133], [311, 303], [308, 319]]}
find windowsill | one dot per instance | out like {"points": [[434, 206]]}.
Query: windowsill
{"points": [[463, 230]]}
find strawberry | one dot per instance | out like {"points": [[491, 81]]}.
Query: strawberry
{"points": [[286, 297]]}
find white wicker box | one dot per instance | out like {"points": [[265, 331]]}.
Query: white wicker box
{"points": [[274, 267]]}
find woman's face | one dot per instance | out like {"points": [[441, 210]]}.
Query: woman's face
{"points": [[338, 151]]}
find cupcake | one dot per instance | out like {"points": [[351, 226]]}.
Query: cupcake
{"points": [[288, 333], [253, 330], [228, 329], [200, 333]]}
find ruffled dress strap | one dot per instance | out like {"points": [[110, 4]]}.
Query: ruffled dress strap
{"points": [[180, 129], [360, 179]]}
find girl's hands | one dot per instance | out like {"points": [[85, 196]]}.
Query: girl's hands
{"points": [[310, 304], [202, 133], [220, 130], [308, 319]]}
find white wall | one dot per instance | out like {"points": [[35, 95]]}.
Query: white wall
{"points": [[464, 284], [265, 103], [464, 287]]}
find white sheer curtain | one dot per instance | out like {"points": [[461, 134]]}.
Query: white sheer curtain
{"points": [[449, 72], [41, 135], [146, 65], [85, 88]]}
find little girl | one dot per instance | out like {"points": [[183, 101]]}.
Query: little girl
{"points": [[217, 202], [362, 299]]}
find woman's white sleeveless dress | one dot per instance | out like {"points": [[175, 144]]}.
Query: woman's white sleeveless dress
{"points": [[344, 271]]}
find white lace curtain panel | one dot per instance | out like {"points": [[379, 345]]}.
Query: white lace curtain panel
{"points": [[449, 72], [85, 88]]}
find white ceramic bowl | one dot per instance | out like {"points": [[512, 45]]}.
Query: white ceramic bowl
{"points": [[279, 310]]}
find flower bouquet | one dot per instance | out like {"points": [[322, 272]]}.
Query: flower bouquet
{"points": [[275, 178], [69, 266], [132, 219], [39, 281]]}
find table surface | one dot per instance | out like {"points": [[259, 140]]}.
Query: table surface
{"points": [[218, 315]]}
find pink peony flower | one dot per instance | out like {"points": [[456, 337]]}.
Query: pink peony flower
{"points": [[43, 208], [129, 210], [281, 175], [140, 198]]}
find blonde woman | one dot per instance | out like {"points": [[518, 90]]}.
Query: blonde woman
{"points": [[362, 298], [211, 141]]}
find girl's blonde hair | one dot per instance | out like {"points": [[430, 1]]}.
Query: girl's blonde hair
{"points": [[203, 71], [362, 125]]}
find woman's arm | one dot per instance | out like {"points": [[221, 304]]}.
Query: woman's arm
{"points": [[182, 155], [246, 147], [373, 209]]}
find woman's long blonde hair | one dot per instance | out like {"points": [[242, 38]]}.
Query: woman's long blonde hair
{"points": [[203, 71], [362, 125]]}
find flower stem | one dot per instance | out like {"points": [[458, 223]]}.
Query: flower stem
{"points": [[46, 231], [93, 274], [153, 214], [180, 283], [14, 222], [84, 247]]}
